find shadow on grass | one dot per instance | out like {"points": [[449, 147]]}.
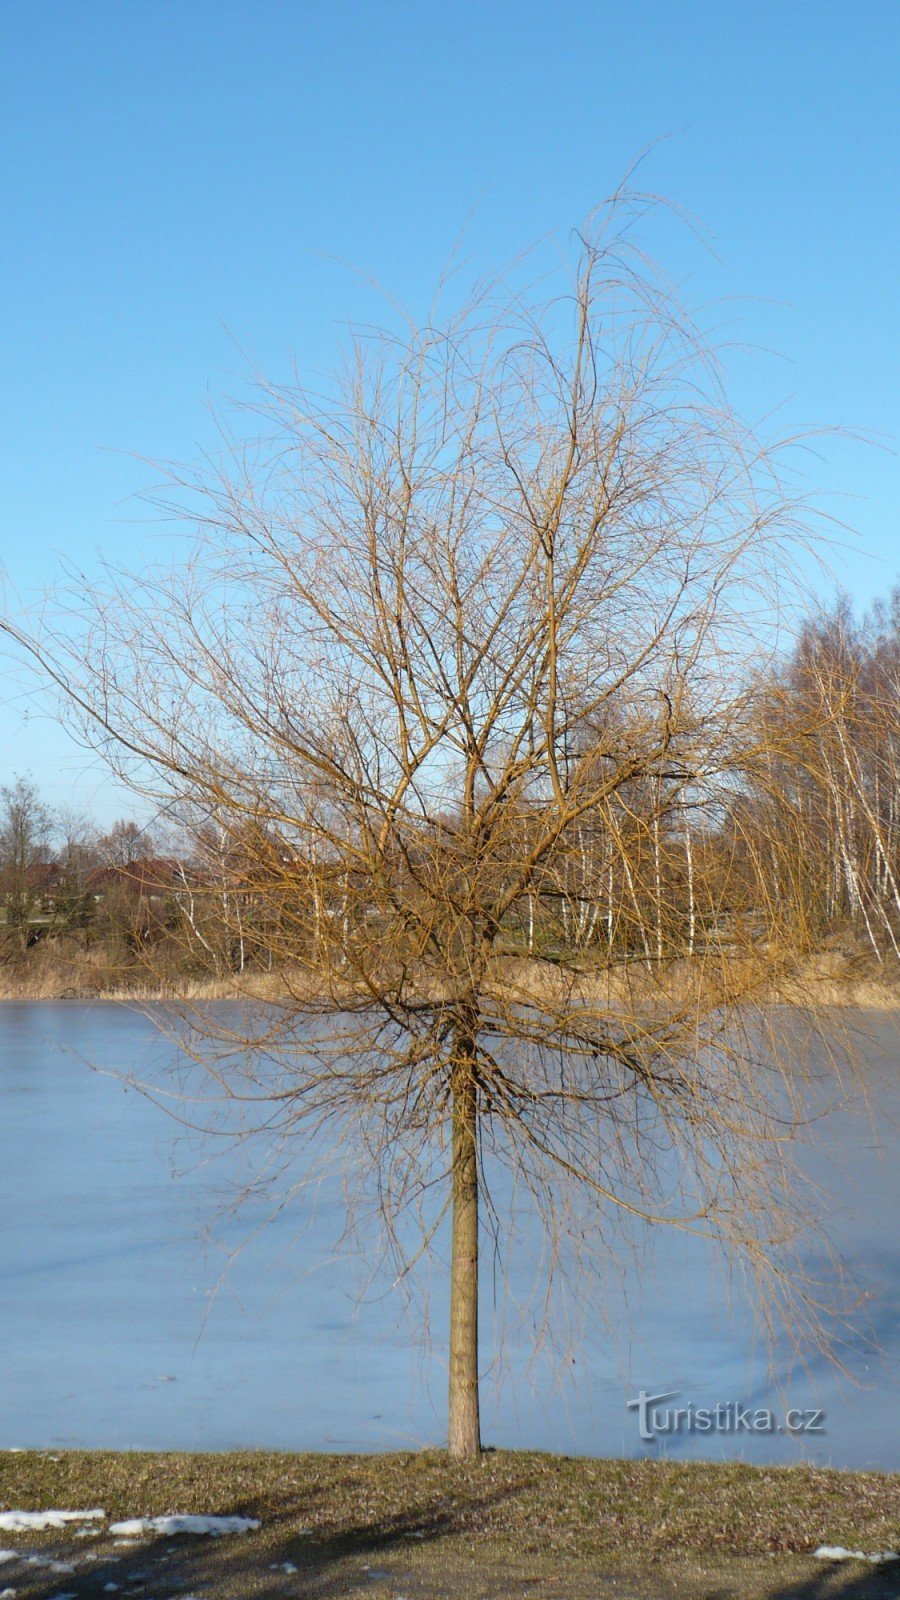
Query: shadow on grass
{"points": [[370, 1555], [845, 1580], [437, 1547], [831, 1581]]}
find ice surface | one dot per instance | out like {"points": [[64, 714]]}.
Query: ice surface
{"points": [[110, 1290]]}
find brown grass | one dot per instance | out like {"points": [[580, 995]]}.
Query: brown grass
{"points": [[865, 995], [58, 972], [515, 1502]]}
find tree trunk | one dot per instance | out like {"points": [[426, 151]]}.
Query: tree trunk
{"points": [[465, 1425], [692, 914]]}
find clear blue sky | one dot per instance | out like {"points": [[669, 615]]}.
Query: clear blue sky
{"points": [[179, 183]]}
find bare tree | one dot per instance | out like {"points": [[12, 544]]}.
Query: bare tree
{"points": [[832, 724], [25, 830], [125, 843], [458, 678], [212, 898], [76, 858]]}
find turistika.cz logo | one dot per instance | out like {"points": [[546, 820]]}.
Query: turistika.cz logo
{"points": [[729, 1416]]}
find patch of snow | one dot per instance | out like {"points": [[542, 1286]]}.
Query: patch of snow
{"points": [[28, 1521], [282, 1566], [7, 1594], [836, 1552], [110, 1588], [136, 1526], [69, 1596], [49, 1563]]}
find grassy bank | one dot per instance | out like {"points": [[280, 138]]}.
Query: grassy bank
{"points": [[419, 1525], [519, 1501]]}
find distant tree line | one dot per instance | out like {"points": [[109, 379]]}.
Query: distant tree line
{"points": [[812, 825], [60, 875]]}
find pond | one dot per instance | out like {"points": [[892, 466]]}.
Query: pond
{"points": [[141, 1311]]}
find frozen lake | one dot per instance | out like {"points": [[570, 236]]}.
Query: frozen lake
{"points": [[125, 1322]]}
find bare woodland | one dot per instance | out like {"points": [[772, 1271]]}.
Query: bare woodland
{"points": [[469, 706]]}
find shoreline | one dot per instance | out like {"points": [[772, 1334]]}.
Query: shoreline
{"points": [[821, 992], [828, 979]]}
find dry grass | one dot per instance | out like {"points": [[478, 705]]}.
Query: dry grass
{"points": [[834, 979], [516, 1502]]}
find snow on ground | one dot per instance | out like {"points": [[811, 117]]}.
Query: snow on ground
{"points": [[34, 1521], [49, 1563], [836, 1552], [125, 1532], [135, 1526]]}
